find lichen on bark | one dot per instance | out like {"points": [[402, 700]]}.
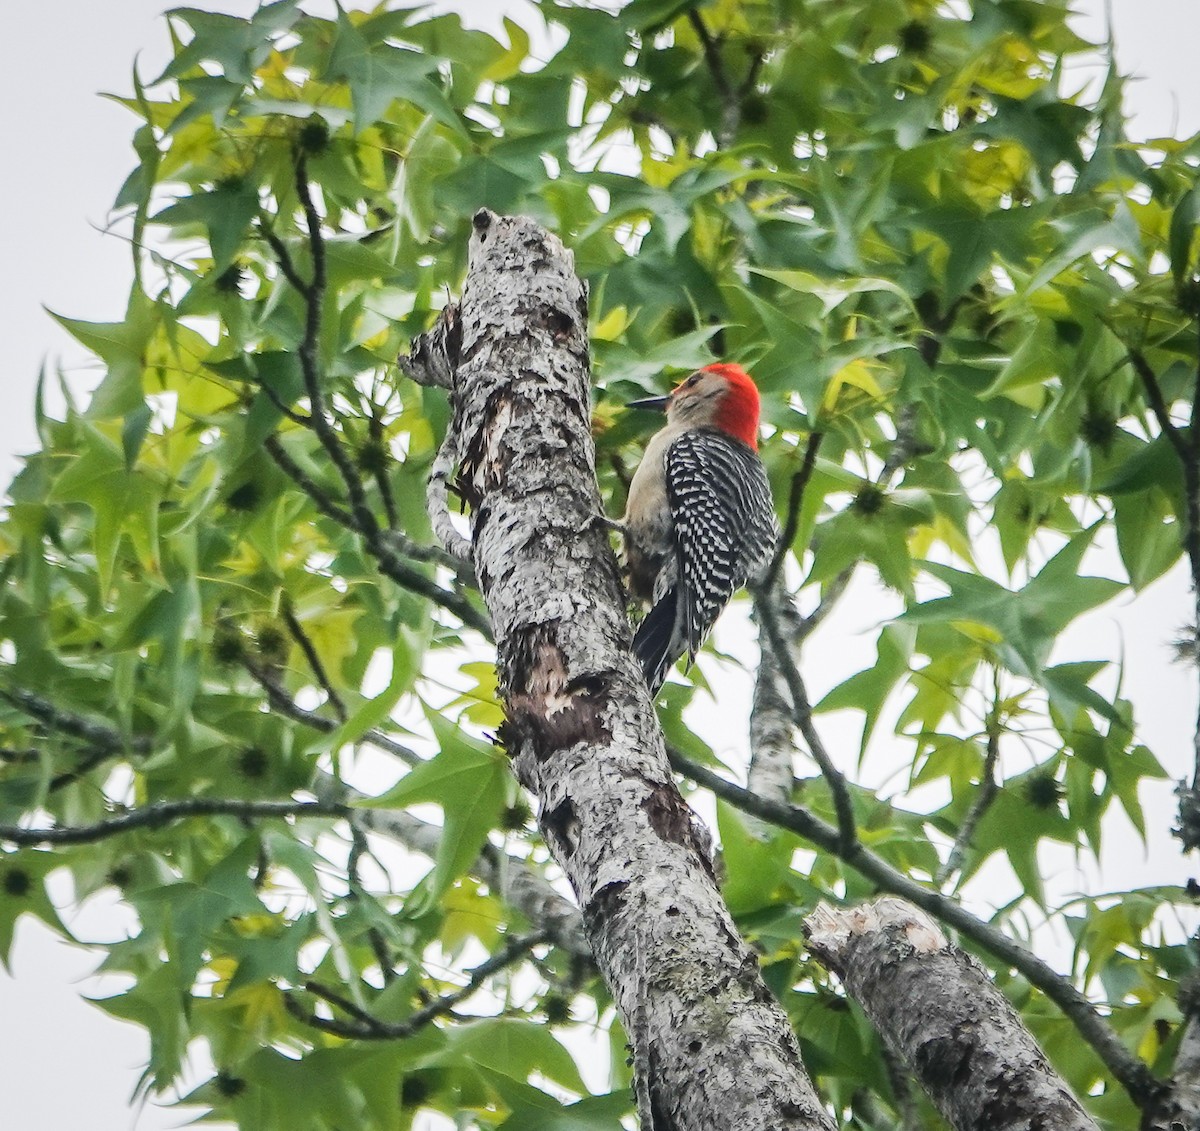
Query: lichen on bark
{"points": [[580, 728]]}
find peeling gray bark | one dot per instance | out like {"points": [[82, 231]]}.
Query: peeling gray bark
{"points": [[936, 1008], [772, 775], [712, 1048]]}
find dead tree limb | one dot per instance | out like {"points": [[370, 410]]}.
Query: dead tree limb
{"points": [[936, 1009]]}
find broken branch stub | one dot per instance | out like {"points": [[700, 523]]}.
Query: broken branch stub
{"points": [[712, 1048], [937, 1010]]}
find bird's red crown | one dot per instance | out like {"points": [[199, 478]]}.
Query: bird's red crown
{"points": [[739, 409]]}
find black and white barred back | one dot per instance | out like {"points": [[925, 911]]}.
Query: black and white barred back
{"points": [[725, 533]]}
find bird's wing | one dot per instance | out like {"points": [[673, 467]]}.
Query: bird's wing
{"points": [[725, 525]]}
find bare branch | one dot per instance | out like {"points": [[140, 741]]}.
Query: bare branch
{"points": [[905, 444], [314, 661], [106, 742], [70, 723], [795, 499], [731, 103], [987, 792], [282, 702], [509, 878], [166, 812], [1187, 448], [1133, 1075], [380, 473], [1184, 447], [936, 1009], [383, 546], [457, 603], [320, 497], [322, 424], [437, 502], [367, 1027], [283, 257], [802, 715], [826, 605]]}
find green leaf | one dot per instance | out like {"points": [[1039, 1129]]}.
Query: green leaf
{"points": [[375, 711], [757, 861], [468, 778], [224, 213], [1025, 624], [834, 292], [23, 881], [122, 347], [380, 74], [1148, 535], [868, 690], [516, 1048], [121, 501], [1182, 234], [1126, 772]]}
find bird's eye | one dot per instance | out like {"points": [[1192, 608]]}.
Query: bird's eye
{"points": [[694, 379]]}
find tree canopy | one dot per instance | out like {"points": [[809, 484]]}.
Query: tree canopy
{"points": [[246, 685]]}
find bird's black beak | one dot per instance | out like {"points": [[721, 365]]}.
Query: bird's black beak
{"points": [[655, 404]]}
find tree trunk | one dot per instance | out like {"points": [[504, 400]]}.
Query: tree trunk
{"points": [[712, 1048], [936, 1009]]}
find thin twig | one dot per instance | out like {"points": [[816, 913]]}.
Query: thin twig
{"points": [[164, 813], [314, 298], [802, 715], [70, 723], [106, 742], [314, 661], [799, 483], [457, 603], [1187, 448], [712, 54], [1158, 405], [282, 702], [358, 849], [382, 482], [731, 103], [286, 409], [366, 1027], [380, 546], [904, 445], [402, 544], [511, 879], [987, 792], [1133, 1075], [283, 257], [321, 498], [320, 990], [827, 603]]}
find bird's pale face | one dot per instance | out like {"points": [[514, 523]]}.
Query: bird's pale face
{"points": [[697, 399]]}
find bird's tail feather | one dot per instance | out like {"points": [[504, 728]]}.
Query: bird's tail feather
{"points": [[654, 642]]}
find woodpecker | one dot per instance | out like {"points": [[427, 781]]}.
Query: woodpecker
{"points": [[699, 522]]}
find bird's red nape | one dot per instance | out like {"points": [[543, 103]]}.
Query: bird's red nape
{"points": [[739, 410]]}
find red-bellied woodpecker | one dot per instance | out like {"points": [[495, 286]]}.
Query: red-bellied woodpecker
{"points": [[699, 522]]}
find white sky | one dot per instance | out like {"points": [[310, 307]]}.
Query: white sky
{"points": [[63, 1063]]}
